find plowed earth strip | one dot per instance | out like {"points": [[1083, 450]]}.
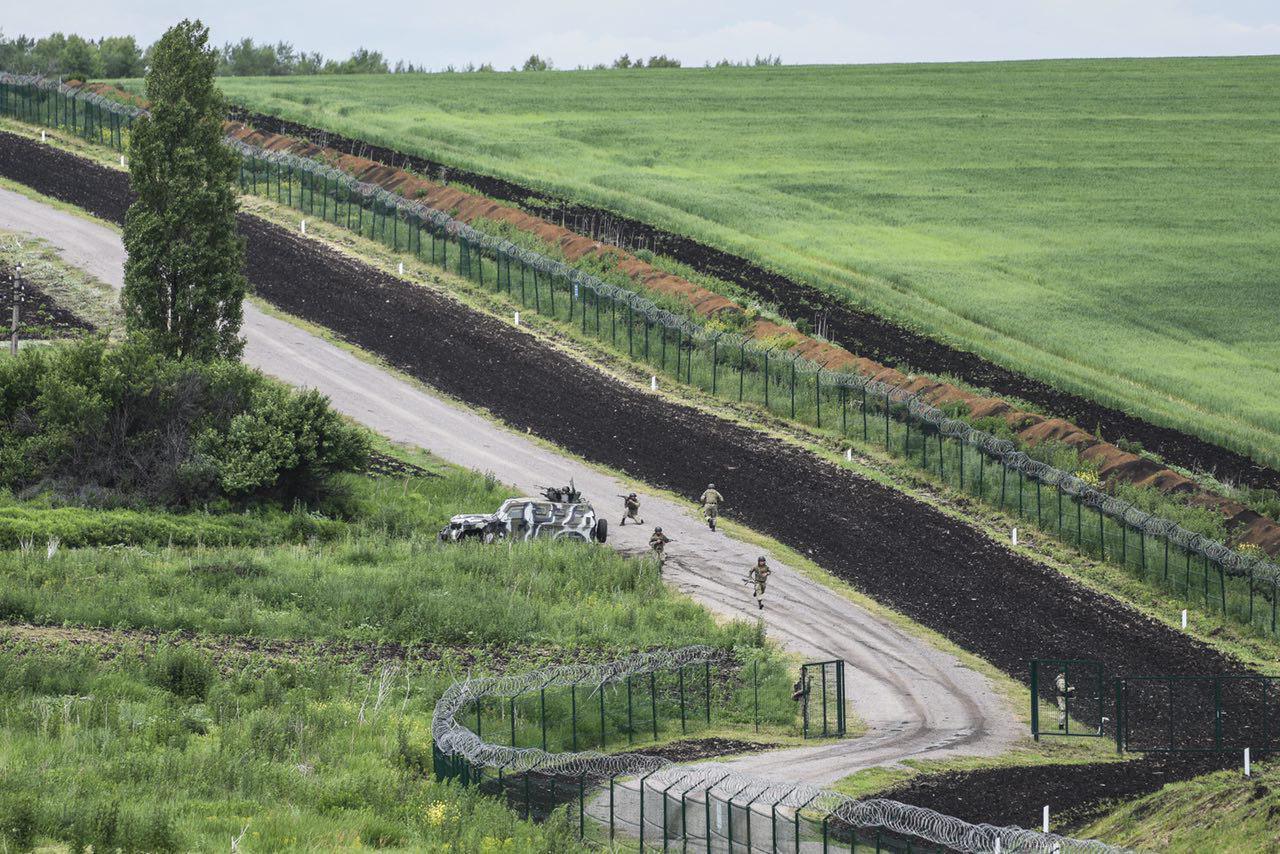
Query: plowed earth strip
{"points": [[860, 332], [943, 574]]}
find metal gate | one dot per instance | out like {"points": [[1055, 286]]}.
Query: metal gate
{"points": [[1073, 689], [820, 693]]}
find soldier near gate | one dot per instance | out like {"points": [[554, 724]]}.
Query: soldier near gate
{"points": [[1064, 692], [631, 509], [759, 577], [711, 505], [658, 542]]}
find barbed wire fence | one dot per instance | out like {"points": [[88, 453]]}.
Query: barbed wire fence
{"points": [[38, 100], [728, 364], [655, 801]]}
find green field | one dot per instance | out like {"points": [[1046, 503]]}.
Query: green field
{"points": [[1110, 226]]}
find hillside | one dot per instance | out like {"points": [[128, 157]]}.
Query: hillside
{"points": [[1105, 225]]}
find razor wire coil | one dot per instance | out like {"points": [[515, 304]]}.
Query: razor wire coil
{"points": [[455, 739]]}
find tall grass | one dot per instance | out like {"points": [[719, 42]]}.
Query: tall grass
{"points": [[1104, 225], [172, 755]]}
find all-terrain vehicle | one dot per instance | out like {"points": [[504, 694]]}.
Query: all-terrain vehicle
{"points": [[560, 514]]}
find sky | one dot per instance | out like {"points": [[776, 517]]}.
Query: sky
{"points": [[574, 32]]}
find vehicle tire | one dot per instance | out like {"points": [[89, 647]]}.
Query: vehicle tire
{"points": [[601, 532]]}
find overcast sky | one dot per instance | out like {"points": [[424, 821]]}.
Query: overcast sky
{"points": [[574, 32]]}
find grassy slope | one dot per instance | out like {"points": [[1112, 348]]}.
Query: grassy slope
{"points": [[1104, 224], [1217, 812]]}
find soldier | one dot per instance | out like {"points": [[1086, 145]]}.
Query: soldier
{"points": [[760, 577], [711, 505], [1064, 695], [631, 506], [657, 543]]}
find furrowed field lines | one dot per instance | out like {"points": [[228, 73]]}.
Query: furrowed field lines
{"points": [[1104, 225]]}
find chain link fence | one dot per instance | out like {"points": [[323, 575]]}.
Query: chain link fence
{"points": [[1242, 587], [37, 100], [655, 801]]}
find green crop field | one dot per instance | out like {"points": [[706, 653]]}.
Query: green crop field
{"points": [[1110, 226]]}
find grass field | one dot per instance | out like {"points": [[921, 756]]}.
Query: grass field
{"points": [[1109, 226], [263, 723]]}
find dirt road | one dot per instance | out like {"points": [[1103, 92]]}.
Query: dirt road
{"points": [[915, 701]]}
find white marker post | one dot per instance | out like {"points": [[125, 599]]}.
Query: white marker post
{"points": [[304, 226], [1046, 818], [1184, 618], [121, 159], [848, 454], [42, 137], [402, 268], [1247, 768], [1015, 536], [653, 383], [517, 318], [997, 845]]}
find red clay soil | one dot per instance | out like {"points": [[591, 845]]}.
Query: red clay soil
{"points": [[1114, 464]]}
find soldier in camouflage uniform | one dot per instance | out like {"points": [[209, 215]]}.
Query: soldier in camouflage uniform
{"points": [[1064, 693], [759, 576], [658, 543], [711, 505], [631, 506]]}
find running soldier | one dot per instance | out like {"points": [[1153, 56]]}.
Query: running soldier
{"points": [[658, 542], [759, 576], [1064, 696], [711, 505], [631, 507]]}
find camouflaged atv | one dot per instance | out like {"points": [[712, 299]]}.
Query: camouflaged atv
{"points": [[530, 518]]}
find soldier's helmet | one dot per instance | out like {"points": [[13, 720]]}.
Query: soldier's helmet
{"points": [[657, 530], [632, 495], [711, 486], [760, 559]]}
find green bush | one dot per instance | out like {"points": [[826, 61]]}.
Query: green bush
{"points": [[122, 425], [182, 671]]}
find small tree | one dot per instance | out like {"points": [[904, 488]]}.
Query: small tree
{"points": [[183, 280], [536, 63]]}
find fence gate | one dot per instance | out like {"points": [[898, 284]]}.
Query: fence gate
{"points": [[820, 693], [1074, 688]]}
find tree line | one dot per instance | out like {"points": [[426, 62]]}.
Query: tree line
{"points": [[74, 57], [79, 58]]}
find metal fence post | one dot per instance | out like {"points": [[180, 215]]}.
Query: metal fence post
{"points": [[707, 666], [682, 715], [1035, 699]]}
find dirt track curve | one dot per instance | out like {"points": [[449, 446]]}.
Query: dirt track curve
{"points": [[860, 332], [996, 603]]}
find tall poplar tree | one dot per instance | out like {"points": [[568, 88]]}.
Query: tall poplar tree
{"points": [[183, 280]]}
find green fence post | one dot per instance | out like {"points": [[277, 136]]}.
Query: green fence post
{"points": [[630, 715], [715, 361], [653, 701], [1004, 477], [766, 378], [886, 420], [573, 706], [742, 367], [793, 388], [682, 714], [1035, 699], [707, 672], [602, 726], [542, 715], [1102, 536], [865, 436]]}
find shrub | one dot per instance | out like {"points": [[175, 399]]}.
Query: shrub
{"points": [[124, 425], [182, 671]]}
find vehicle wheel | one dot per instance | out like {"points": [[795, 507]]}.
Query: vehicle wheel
{"points": [[601, 531]]}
